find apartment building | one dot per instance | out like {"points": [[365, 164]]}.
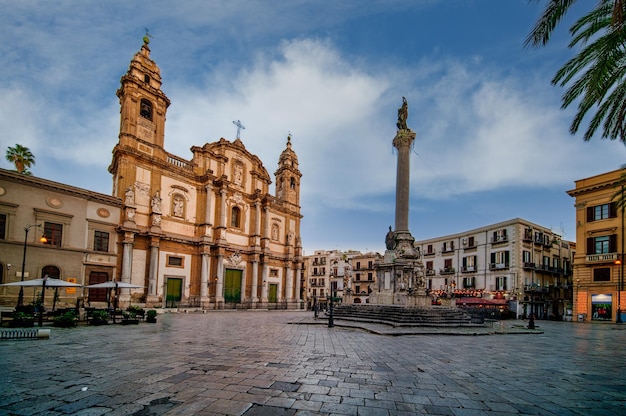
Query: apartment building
{"points": [[81, 243], [363, 279], [598, 267], [523, 266]]}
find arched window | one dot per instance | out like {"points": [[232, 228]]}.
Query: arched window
{"points": [[51, 271], [235, 217], [293, 183], [146, 78], [145, 109]]}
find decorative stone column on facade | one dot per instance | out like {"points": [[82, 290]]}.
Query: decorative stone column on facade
{"points": [[255, 279], [264, 287], [219, 286], [298, 271], [154, 268], [207, 212], [289, 283], [204, 277], [223, 210], [127, 264]]}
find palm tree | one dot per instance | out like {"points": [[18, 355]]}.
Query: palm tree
{"points": [[595, 76], [21, 157]]}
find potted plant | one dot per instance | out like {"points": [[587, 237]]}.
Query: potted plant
{"points": [[22, 320], [129, 318], [137, 311], [67, 320], [100, 317], [151, 316]]}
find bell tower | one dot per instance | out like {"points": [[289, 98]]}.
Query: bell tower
{"points": [[288, 176], [142, 103]]}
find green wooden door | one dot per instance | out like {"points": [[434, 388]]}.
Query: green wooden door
{"points": [[273, 295], [174, 292], [232, 286]]}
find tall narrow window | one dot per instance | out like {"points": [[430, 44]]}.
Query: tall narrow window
{"points": [[100, 241], [3, 226], [53, 233], [235, 217], [145, 109]]}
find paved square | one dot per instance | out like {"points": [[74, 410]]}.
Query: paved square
{"points": [[261, 363]]}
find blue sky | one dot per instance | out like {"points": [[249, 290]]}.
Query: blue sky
{"points": [[492, 143]]}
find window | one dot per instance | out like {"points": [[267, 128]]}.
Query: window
{"points": [[499, 236], [429, 249], [3, 226], [526, 256], [357, 289], [469, 264], [175, 261], [273, 272], [100, 241], [448, 246], [51, 271], [447, 263], [469, 282], [500, 259], [501, 283], [145, 109], [602, 274], [358, 264], [471, 242], [146, 78], [292, 183], [235, 217], [53, 233], [601, 212], [370, 276], [370, 265], [358, 276], [602, 245]]}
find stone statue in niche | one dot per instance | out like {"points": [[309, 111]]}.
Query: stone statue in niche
{"points": [[178, 206], [130, 196], [156, 203], [238, 174]]}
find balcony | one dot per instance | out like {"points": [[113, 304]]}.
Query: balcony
{"points": [[429, 253], [446, 249], [446, 270], [468, 269], [430, 272], [499, 239], [529, 265], [498, 266], [601, 258]]}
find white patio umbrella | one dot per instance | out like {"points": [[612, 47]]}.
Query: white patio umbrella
{"points": [[43, 282]]}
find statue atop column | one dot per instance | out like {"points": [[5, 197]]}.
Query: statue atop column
{"points": [[403, 114], [390, 240]]}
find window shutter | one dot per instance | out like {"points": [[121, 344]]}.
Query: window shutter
{"points": [[589, 214], [464, 262], [590, 246], [612, 210], [613, 243], [493, 257], [506, 258]]}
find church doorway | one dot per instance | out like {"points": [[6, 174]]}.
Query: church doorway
{"points": [[232, 286], [174, 292], [272, 296]]}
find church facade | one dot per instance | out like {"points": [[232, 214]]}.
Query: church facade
{"points": [[205, 232]]}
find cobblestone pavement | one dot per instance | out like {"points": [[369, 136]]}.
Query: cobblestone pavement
{"points": [[274, 363]]}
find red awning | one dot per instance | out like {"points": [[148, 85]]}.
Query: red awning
{"points": [[481, 301]]}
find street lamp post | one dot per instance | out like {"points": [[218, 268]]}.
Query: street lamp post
{"points": [[619, 289], [20, 297]]}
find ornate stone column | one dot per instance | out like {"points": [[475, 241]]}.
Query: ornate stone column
{"points": [[298, 273], [219, 286], [204, 277], [154, 267], [289, 283], [264, 287], [255, 279]]}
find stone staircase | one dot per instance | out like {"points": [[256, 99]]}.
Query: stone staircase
{"points": [[397, 316]]}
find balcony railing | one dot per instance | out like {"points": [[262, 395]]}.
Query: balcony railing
{"points": [[430, 272], [601, 258], [447, 270], [468, 269], [529, 265], [499, 239], [498, 266]]}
